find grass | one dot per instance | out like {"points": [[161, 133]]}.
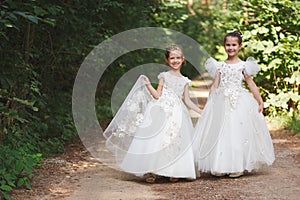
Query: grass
{"points": [[284, 121]]}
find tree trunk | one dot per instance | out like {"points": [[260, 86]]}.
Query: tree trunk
{"points": [[189, 5], [27, 43], [246, 14], [224, 5]]}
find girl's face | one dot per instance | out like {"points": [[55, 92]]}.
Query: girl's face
{"points": [[175, 59], [232, 46]]}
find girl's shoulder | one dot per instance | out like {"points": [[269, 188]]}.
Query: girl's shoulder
{"points": [[213, 62], [187, 80], [174, 77], [161, 75]]}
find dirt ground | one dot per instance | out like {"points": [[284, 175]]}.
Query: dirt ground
{"points": [[75, 175]]}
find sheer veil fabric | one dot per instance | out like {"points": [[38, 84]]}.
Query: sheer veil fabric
{"points": [[153, 136]]}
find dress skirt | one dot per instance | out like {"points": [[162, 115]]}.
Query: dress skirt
{"points": [[231, 140]]}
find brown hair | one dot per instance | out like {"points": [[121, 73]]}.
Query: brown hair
{"points": [[237, 34], [172, 48]]}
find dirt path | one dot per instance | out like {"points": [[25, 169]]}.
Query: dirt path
{"points": [[75, 175], [281, 181]]}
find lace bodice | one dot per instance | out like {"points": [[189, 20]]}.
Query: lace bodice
{"points": [[231, 76], [174, 83], [231, 80]]}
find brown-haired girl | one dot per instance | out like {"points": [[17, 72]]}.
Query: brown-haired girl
{"points": [[151, 134]]}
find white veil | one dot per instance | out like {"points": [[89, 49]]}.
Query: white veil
{"points": [[122, 128], [140, 121]]}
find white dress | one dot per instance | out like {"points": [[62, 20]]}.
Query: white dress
{"points": [[154, 136], [232, 136]]}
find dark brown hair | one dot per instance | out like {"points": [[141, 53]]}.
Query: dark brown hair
{"points": [[237, 34]]}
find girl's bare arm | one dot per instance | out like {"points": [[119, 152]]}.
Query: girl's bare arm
{"points": [[156, 93], [254, 89], [188, 101]]}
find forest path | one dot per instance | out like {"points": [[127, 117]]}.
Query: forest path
{"points": [[76, 175]]}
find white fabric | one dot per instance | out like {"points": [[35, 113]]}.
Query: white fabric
{"points": [[155, 137], [211, 65], [251, 66], [231, 136]]}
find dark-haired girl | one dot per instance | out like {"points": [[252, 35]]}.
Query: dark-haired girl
{"points": [[232, 135]]}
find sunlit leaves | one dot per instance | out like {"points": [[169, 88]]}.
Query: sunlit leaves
{"points": [[281, 99], [271, 36], [294, 79]]}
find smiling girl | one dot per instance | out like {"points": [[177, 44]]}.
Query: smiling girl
{"points": [[152, 132], [232, 135]]}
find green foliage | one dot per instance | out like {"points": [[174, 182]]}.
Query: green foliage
{"points": [[284, 121], [43, 43], [270, 34], [42, 46], [294, 123], [16, 166], [274, 39]]}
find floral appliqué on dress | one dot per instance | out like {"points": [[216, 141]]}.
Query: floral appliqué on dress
{"points": [[231, 80]]}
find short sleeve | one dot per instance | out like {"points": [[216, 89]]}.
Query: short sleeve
{"points": [[211, 65], [187, 81], [251, 66], [161, 75]]}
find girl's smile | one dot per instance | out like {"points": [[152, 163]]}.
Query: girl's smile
{"points": [[175, 60], [232, 47]]}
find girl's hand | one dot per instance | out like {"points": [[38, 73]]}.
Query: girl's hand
{"points": [[146, 80], [200, 111]]}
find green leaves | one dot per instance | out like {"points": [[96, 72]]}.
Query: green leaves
{"points": [[28, 16], [294, 79], [275, 63], [262, 30], [28, 103], [35, 92], [5, 187], [17, 162], [39, 11], [270, 36], [13, 14], [5, 195], [281, 99]]}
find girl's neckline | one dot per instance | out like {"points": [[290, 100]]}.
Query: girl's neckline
{"points": [[239, 61], [179, 75]]}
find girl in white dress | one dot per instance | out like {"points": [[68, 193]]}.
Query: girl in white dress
{"points": [[232, 135], [152, 132]]}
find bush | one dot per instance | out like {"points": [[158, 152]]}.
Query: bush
{"points": [[16, 166], [294, 123]]}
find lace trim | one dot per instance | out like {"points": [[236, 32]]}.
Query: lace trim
{"points": [[231, 82]]}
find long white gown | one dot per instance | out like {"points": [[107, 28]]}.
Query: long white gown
{"points": [[154, 136], [232, 136]]}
